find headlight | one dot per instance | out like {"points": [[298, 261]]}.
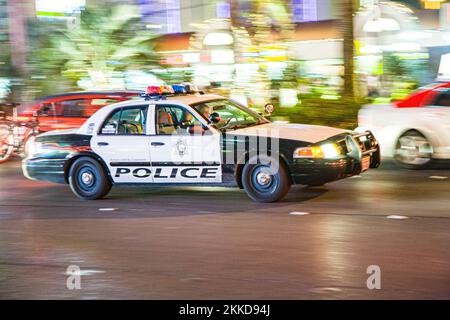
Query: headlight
{"points": [[330, 150], [32, 147], [325, 151]]}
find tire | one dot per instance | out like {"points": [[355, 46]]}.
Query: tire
{"points": [[265, 179], [88, 180], [6, 143], [413, 151]]}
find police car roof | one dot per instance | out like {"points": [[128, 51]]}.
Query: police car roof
{"points": [[188, 99], [191, 99]]}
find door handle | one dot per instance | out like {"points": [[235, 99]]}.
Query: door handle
{"points": [[156, 144], [102, 143]]}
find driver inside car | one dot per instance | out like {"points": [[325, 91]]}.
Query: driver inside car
{"points": [[190, 124], [206, 112]]}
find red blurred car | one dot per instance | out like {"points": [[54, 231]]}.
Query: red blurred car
{"points": [[424, 96], [71, 110]]}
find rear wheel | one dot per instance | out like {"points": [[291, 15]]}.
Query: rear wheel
{"points": [[6, 143], [265, 179], [413, 150], [88, 180]]}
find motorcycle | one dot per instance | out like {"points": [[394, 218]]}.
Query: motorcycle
{"points": [[14, 132]]}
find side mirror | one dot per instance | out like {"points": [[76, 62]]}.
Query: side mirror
{"points": [[197, 130], [269, 109], [214, 117]]}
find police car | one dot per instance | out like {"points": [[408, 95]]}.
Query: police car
{"points": [[177, 135]]}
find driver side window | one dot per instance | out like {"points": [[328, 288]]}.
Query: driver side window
{"points": [[176, 120], [126, 121]]}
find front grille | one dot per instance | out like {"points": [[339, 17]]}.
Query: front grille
{"points": [[366, 142]]}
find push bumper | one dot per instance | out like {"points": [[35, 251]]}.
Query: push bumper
{"points": [[44, 169], [361, 152]]}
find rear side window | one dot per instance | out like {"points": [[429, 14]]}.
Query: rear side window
{"points": [[126, 121], [443, 99]]}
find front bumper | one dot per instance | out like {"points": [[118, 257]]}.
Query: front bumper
{"points": [[356, 148], [51, 170]]}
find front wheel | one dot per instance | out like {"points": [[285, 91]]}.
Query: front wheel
{"points": [[265, 179], [88, 180], [6, 143], [413, 150]]}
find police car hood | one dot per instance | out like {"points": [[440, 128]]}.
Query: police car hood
{"points": [[291, 131], [59, 132]]}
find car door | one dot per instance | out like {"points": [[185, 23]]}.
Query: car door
{"points": [[439, 113], [123, 144], [183, 149]]}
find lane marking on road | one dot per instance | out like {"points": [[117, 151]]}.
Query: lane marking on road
{"points": [[108, 209], [438, 177], [396, 217], [85, 272], [325, 290], [299, 213]]}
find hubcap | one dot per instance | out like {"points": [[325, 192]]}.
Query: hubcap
{"points": [[87, 178], [263, 178], [414, 150]]}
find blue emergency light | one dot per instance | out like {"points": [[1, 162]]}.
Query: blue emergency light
{"points": [[179, 88], [161, 92]]}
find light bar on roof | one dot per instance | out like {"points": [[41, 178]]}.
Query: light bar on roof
{"points": [[160, 92]]}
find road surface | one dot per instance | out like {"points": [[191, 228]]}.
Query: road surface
{"points": [[214, 243]]}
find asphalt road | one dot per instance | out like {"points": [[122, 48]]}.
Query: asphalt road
{"points": [[214, 243]]}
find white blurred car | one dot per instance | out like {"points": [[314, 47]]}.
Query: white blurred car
{"points": [[413, 131]]}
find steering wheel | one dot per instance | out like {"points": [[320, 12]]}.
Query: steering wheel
{"points": [[229, 121]]}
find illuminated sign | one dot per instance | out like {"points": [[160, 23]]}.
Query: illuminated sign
{"points": [[444, 67], [304, 10], [58, 9], [164, 14], [432, 4]]}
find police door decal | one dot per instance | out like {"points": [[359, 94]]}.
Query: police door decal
{"points": [[182, 150]]}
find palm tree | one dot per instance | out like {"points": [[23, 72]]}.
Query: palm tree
{"points": [[105, 41], [347, 9]]}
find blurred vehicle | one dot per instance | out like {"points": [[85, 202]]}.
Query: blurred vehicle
{"points": [[413, 131], [71, 110], [14, 133], [186, 137]]}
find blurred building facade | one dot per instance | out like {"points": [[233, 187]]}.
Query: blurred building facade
{"points": [[4, 28], [414, 31]]}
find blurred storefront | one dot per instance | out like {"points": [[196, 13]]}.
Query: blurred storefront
{"points": [[386, 33], [221, 45]]}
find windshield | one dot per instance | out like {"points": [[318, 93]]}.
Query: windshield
{"points": [[228, 114]]}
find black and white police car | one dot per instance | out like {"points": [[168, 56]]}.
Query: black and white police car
{"points": [[186, 137]]}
